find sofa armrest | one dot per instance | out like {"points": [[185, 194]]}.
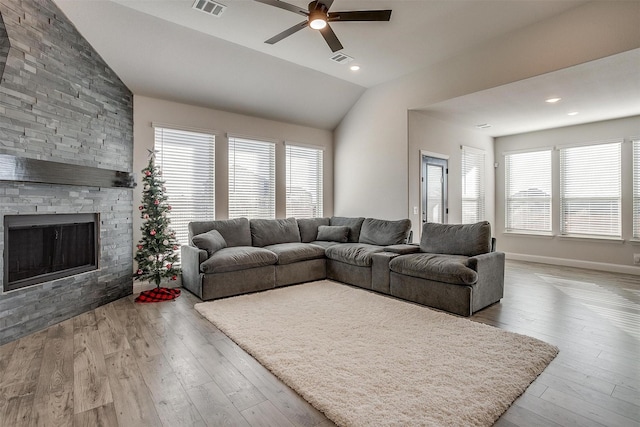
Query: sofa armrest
{"points": [[489, 264], [190, 260], [402, 249], [490, 285], [380, 273]]}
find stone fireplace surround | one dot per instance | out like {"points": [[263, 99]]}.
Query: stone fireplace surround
{"points": [[60, 102]]}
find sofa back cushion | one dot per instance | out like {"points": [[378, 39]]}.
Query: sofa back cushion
{"points": [[265, 232], [333, 233], [384, 233], [354, 224], [235, 232], [456, 239], [308, 228]]}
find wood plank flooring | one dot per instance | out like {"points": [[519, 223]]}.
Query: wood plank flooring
{"points": [[127, 364]]}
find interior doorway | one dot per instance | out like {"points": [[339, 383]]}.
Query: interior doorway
{"points": [[434, 173]]}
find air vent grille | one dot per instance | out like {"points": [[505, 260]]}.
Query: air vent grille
{"points": [[211, 7], [341, 58]]}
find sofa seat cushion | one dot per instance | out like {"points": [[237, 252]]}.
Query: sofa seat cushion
{"points": [[353, 253], [455, 269], [238, 258], [323, 244], [288, 253]]}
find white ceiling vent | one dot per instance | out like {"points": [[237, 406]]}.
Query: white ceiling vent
{"points": [[211, 7], [341, 58]]}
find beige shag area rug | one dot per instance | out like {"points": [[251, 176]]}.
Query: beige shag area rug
{"points": [[368, 360]]}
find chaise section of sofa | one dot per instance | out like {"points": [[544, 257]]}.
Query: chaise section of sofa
{"points": [[454, 270]]}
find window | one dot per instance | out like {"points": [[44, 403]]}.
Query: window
{"points": [[187, 161], [252, 178], [528, 191], [473, 177], [590, 190], [636, 189], [304, 182]]}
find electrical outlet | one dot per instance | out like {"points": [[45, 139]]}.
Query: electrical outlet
{"points": [[636, 258]]}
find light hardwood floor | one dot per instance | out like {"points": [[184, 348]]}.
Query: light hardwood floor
{"points": [[127, 364]]}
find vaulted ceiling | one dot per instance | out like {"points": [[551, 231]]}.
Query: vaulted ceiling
{"points": [[169, 50]]}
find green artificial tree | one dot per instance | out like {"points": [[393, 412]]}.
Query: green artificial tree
{"points": [[156, 255]]}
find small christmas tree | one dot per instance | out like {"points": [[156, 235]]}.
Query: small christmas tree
{"points": [[156, 255]]}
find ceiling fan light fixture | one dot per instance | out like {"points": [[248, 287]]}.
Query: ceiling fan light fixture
{"points": [[318, 24], [317, 19]]}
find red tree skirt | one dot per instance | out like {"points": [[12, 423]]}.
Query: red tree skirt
{"points": [[158, 295]]}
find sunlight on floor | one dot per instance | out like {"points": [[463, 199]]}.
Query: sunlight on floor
{"points": [[618, 310]]}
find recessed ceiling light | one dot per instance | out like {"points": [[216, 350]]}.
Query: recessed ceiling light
{"points": [[573, 113], [483, 126], [354, 67], [552, 100]]}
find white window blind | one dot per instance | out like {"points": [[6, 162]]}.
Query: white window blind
{"points": [[528, 191], [473, 178], [636, 189], [590, 190], [187, 162], [252, 178], [304, 182]]}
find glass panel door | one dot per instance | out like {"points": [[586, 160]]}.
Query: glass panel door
{"points": [[434, 190]]}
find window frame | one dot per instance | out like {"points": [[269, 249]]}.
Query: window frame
{"points": [[635, 216], [197, 140], [548, 188], [587, 202], [251, 146], [314, 186], [471, 156]]}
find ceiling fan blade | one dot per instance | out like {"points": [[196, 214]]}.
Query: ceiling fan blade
{"points": [[331, 39], [287, 33], [327, 3], [285, 6], [360, 15]]}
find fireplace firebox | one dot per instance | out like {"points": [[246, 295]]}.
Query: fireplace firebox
{"points": [[41, 248]]}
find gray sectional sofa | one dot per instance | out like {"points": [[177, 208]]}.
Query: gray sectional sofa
{"points": [[454, 268]]}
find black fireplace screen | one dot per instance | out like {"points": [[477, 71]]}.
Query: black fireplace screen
{"points": [[40, 248]]}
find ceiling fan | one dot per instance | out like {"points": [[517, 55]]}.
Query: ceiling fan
{"points": [[318, 18]]}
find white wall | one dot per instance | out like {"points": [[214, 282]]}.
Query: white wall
{"points": [[147, 110], [436, 136], [372, 152], [606, 255]]}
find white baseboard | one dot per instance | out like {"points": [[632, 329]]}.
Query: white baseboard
{"points": [[589, 265]]}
